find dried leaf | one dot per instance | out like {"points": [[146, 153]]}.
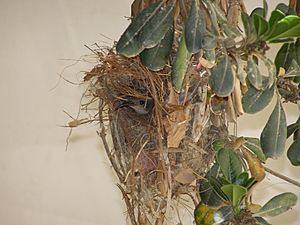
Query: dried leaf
{"points": [[230, 111], [237, 98], [185, 176], [176, 122], [255, 166]]}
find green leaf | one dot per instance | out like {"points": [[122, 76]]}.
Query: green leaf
{"points": [[157, 26], [235, 194], [224, 213], [249, 28], [293, 153], [261, 221], [285, 56], [254, 75], [129, 44], [278, 204], [271, 68], [180, 65], [294, 69], [261, 25], [213, 16], [297, 50], [253, 144], [276, 15], [230, 164], [229, 30], [195, 28], [242, 179], [207, 193], [292, 128], [288, 27], [221, 79], [273, 136], [204, 215], [250, 182], [155, 58], [216, 185], [259, 12], [256, 100], [285, 9], [209, 41], [218, 144]]}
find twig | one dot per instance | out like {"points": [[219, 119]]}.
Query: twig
{"points": [[287, 179]]}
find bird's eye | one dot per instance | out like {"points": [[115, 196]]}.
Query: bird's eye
{"points": [[142, 102]]}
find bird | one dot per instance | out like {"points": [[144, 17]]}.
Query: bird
{"points": [[139, 105]]}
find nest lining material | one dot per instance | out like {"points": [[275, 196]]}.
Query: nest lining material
{"points": [[157, 155]]}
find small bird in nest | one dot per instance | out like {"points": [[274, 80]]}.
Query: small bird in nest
{"points": [[139, 105]]}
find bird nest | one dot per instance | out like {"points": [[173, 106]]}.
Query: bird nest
{"points": [[160, 139]]}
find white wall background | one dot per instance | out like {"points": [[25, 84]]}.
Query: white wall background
{"points": [[40, 183]]}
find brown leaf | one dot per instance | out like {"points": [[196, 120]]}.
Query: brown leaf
{"points": [[176, 121], [185, 176], [255, 166], [230, 111], [237, 98], [176, 126]]}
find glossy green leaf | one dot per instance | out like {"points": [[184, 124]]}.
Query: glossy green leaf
{"points": [[261, 25], [155, 58], [157, 26], [254, 75], [256, 100], [235, 194], [285, 56], [242, 179], [278, 204], [276, 15], [207, 193], [204, 215], [230, 164], [221, 79], [293, 153], [180, 65], [129, 44], [253, 144], [288, 27], [224, 213], [195, 28], [273, 136]]}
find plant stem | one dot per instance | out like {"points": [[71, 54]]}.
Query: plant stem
{"points": [[285, 178]]}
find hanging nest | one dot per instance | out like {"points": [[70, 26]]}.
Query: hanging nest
{"points": [[160, 138]]}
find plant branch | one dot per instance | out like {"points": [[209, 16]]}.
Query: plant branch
{"points": [[285, 178]]}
